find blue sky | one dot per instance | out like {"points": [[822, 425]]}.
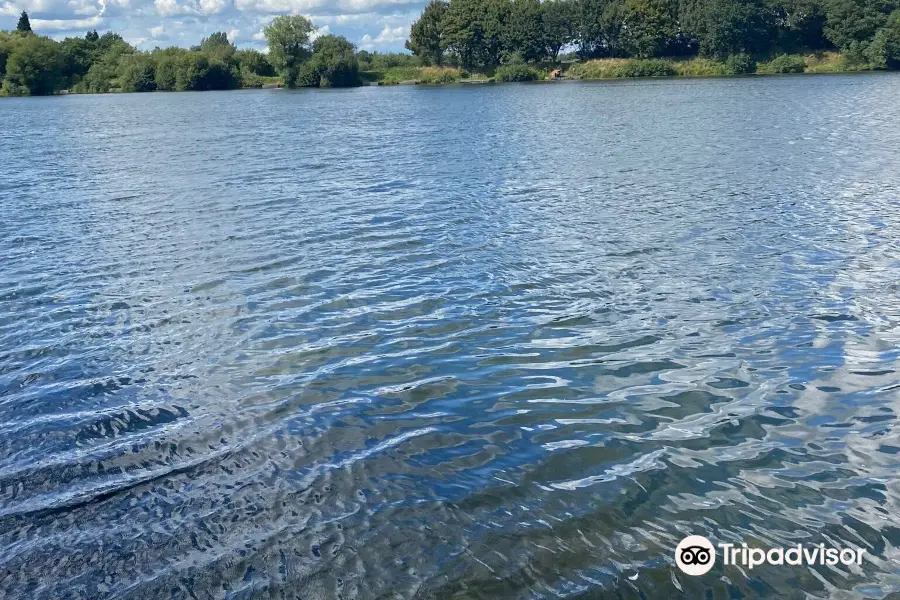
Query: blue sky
{"points": [[381, 25]]}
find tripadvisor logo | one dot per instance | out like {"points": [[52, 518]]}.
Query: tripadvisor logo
{"points": [[696, 555]]}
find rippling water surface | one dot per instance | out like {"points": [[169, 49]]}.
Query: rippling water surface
{"points": [[488, 342]]}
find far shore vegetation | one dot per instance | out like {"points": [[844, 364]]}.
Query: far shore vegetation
{"points": [[484, 40]]}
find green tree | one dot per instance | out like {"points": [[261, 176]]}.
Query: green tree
{"points": [[110, 44], [92, 36], [851, 24], [735, 27], [474, 31], [333, 64], [137, 73], [651, 26], [6, 46], [24, 23], [289, 44], [800, 24], [599, 28], [77, 55], [558, 17], [425, 35], [884, 52], [524, 31], [218, 45], [102, 76], [253, 67], [33, 67], [166, 68], [191, 72], [254, 61], [221, 75]]}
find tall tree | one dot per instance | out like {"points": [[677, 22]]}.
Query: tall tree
{"points": [[33, 67], [887, 41], [218, 45], [24, 23], [425, 35], [77, 54], [289, 44], [734, 27], [7, 44], [524, 31], [852, 24], [558, 18], [800, 24], [474, 30], [599, 28], [651, 25]]}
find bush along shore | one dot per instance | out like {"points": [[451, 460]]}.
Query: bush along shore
{"points": [[617, 68], [467, 41]]}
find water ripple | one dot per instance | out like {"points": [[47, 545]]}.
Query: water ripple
{"points": [[474, 342]]}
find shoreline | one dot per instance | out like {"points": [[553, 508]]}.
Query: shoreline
{"points": [[482, 80]]}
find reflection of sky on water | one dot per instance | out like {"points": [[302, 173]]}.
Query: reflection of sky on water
{"points": [[516, 337]]}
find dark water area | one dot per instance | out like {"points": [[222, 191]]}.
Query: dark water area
{"points": [[461, 342]]}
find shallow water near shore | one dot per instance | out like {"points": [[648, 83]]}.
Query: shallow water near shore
{"points": [[450, 342]]}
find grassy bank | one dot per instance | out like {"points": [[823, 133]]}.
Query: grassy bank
{"points": [[615, 68], [420, 75], [438, 75]]}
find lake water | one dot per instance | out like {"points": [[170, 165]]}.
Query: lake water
{"points": [[462, 342]]}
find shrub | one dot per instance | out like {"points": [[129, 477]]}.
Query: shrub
{"points": [[396, 75], [517, 72], [191, 71], [333, 64], [739, 64], [429, 75], [833, 62], [595, 69], [377, 61], [650, 67], [609, 68], [252, 80], [786, 63], [699, 67], [439, 75], [254, 62], [137, 73]]}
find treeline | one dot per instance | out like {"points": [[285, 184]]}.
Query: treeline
{"points": [[487, 33], [36, 65]]}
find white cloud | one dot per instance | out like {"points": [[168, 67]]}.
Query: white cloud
{"points": [[168, 8], [319, 7], [212, 7], [388, 36], [324, 30], [65, 24], [158, 31]]}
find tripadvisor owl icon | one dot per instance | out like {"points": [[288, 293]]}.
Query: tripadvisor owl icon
{"points": [[695, 555]]}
